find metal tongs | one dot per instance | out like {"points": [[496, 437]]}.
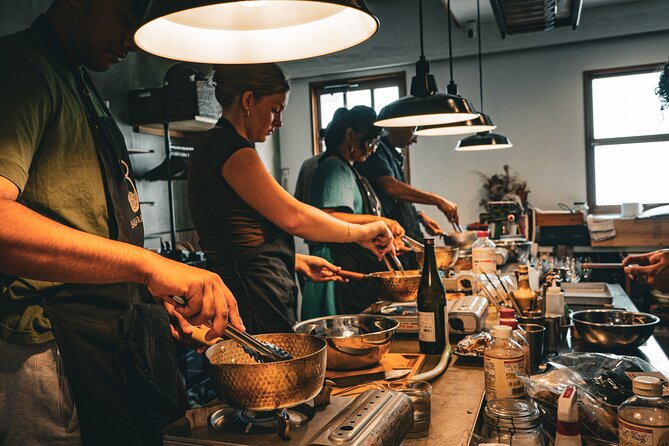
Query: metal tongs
{"points": [[414, 244], [260, 351], [397, 263]]}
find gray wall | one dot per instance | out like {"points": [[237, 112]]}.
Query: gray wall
{"points": [[536, 98], [139, 70]]}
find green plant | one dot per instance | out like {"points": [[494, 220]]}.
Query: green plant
{"points": [[499, 187]]}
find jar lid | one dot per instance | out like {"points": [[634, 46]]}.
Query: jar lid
{"points": [[647, 386], [481, 234], [507, 312], [512, 413], [501, 331]]}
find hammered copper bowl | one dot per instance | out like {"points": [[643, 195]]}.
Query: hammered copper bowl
{"points": [[446, 256], [354, 341], [614, 329], [245, 384], [396, 287]]}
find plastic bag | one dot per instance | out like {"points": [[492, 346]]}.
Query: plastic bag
{"points": [[602, 385]]}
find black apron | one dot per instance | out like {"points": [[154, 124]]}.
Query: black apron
{"points": [[114, 340], [354, 296], [263, 282]]}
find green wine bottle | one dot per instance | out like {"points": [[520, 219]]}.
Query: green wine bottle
{"points": [[432, 312]]}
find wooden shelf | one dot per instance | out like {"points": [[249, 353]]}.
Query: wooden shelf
{"points": [[187, 128]]}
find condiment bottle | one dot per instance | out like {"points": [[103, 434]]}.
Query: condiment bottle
{"points": [[483, 254], [524, 295], [568, 433], [643, 419], [554, 301], [502, 359], [517, 335], [432, 310]]}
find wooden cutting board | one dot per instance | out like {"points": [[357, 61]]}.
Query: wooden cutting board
{"points": [[390, 362]]}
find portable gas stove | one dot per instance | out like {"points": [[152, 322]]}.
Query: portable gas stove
{"points": [[376, 417]]}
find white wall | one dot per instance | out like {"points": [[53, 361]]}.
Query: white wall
{"points": [[535, 97]]}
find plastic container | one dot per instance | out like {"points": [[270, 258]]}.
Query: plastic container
{"points": [[568, 433], [483, 254], [643, 419], [554, 301], [503, 359]]}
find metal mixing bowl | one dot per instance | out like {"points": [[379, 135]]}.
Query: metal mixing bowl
{"points": [[354, 341], [446, 256], [519, 250], [614, 329], [462, 240]]}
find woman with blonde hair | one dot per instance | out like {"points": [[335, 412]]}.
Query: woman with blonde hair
{"points": [[245, 219]]}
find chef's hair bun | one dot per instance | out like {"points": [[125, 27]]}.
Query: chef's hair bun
{"points": [[260, 79], [360, 118]]}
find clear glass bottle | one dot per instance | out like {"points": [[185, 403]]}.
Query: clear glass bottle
{"points": [[431, 301], [503, 358], [512, 421], [643, 419], [483, 254]]}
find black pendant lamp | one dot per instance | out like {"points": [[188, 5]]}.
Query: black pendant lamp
{"points": [[424, 105], [483, 140], [253, 31], [480, 123]]}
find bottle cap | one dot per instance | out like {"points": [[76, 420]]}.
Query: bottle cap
{"points": [[507, 312], [567, 409], [647, 386], [501, 331], [481, 234], [428, 241], [511, 322]]}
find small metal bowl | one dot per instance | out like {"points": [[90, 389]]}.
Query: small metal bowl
{"points": [[353, 341], [462, 240], [614, 329], [446, 256]]}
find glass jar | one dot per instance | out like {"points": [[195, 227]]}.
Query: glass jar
{"points": [[512, 421]]}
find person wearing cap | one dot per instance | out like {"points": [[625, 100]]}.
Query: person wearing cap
{"points": [[385, 171], [340, 190], [651, 268]]}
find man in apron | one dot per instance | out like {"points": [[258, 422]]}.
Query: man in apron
{"points": [[86, 352]]}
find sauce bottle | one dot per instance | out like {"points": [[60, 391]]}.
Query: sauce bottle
{"points": [[643, 419], [502, 359]]}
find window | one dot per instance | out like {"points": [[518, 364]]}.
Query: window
{"points": [[327, 97], [627, 138]]}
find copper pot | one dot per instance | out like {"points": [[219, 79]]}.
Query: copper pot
{"points": [[446, 256], [245, 384], [390, 286]]}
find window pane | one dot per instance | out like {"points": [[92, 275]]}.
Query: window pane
{"points": [[632, 173], [384, 96], [627, 106], [329, 104], [358, 97]]}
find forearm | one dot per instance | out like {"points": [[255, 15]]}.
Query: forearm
{"points": [[315, 225], [38, 248], [359, 219], [405, 192]]}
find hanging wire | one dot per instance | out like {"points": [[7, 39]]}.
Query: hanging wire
{"points": [[450, 43], [420, 18], [478, 31]]}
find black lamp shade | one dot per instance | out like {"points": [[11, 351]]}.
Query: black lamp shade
{"points": [[483, 141], [253, 31], [482, 123]]}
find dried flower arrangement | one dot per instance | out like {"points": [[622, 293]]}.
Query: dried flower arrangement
{"points": [[504, 187]]}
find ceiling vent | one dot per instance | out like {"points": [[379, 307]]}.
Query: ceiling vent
{"points": [[527, 16]]}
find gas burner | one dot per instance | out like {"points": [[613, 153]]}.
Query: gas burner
{"points": [[252, 422]]}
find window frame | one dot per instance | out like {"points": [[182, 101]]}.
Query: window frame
{"points": [[348, 84], [591, 142]]}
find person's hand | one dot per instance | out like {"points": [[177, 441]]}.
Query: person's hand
{"points": [[639, 259], [207, 298], [652, 270], [317, 269], [394, 226], [430, 225], [181, 330], [450, 210], [378, 238]]}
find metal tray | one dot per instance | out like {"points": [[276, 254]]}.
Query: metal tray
{"points": [[587, 294]]}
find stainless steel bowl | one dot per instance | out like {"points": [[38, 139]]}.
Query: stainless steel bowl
{"points": [[614, 329], [462, 240], [354, 341]]}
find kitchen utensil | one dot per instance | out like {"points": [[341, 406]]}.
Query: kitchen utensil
{"points": [[534, 334], [456, 226], [462, 240], [553, 333], [413, 244], [389, 266], [388, 286], [259, 351], [420, 393], [397, 263], [242, 383], [518, 249], [353, 341], [355, 380], [614, 329], [446, 256]]}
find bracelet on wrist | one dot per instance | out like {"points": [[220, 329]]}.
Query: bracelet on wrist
{"points": [[348, 232]]}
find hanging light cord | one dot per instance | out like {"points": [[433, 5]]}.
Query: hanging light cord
{"points": [[478, 31], [450, 43], [420, 18]]}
